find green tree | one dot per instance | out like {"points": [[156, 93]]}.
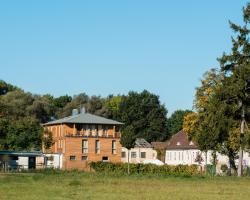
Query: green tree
{"points": [[42, 108], [128, 141], [15, 103], [113, 104], [47, 139], [4, 124], [77, 102], [62, 101], [175, 122], [144, 113], [212, 124], [6, 87], [96, 106], [236, 68], [24, 134]]}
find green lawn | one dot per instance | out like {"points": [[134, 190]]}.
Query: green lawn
{"points": [[77, 185]]}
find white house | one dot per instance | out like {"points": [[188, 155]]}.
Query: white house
{"points": [[181, 151], [143, 152]]}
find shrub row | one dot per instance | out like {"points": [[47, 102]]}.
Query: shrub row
{"points": [[121, 168]]}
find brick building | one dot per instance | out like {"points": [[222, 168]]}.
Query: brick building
{"points": [[83, 138]]}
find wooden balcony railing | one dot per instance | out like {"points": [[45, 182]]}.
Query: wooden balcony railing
{"points": [[91, 135]]}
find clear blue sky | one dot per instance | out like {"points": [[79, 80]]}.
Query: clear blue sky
{"points": [[112, 47]]}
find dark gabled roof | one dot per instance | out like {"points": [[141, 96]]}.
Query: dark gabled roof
{"points": [[142, 143], [180, 141], [159, 145], [84, 118]]}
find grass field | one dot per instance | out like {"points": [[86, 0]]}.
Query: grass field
{"points": [[75, 185]]}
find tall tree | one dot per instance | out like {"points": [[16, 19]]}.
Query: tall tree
{"points": [[77, 102], [175, 122], [144, 113], [23, 134], [128, 141], [212, 124], [113, 104], [236, 68]]}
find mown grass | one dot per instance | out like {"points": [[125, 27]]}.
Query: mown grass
{"points": [[76, 185]]}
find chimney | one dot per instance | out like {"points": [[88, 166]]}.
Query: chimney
{"points": [[74, 112]]}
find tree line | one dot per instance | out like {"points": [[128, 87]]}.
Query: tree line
{"points": [[23, 113]]}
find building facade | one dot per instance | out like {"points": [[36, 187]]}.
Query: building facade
{"points": [[143, 151], [83, 138], [181, 151], [21, 160]]}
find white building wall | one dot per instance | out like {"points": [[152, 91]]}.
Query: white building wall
{"points": [[151, 154], [54, 161], [187, 157], [24, 162], [181, 157]]}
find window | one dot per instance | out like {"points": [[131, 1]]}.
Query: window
{"points": [[72, 158], [105, 159], [84, 158], [174, 155], [113, 147], [117, 129], [50, 158], [85, 146], [143, 154], [97, 146], [14, 158], [133, 154], [123, 154]]}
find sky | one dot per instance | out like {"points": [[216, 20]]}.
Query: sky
{"points": [[112, 47]]}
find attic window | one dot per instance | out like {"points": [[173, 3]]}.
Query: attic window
{"points": [[191, 143], [178, 144]]}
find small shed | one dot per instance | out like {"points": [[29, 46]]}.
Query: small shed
{"points": [[14, 160]]}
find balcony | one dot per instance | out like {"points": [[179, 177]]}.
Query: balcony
{"points": [[90, 134]]}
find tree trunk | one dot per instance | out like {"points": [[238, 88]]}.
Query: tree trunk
{"points": [[232, 166], [205, 167], [241, 141], [214, 162], [128, 163]]}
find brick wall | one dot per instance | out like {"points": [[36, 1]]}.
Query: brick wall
{"points": [[73, 147]]}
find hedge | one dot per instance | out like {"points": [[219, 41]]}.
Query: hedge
{"points": [[121, 168]]}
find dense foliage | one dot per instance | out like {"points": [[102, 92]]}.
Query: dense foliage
{"points": [[110, 168], [222, 100], [175, 122], [22, 113]]}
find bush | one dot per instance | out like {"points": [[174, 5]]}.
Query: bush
{"points": [[211, 170], [224, 168], [121, 168]]}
